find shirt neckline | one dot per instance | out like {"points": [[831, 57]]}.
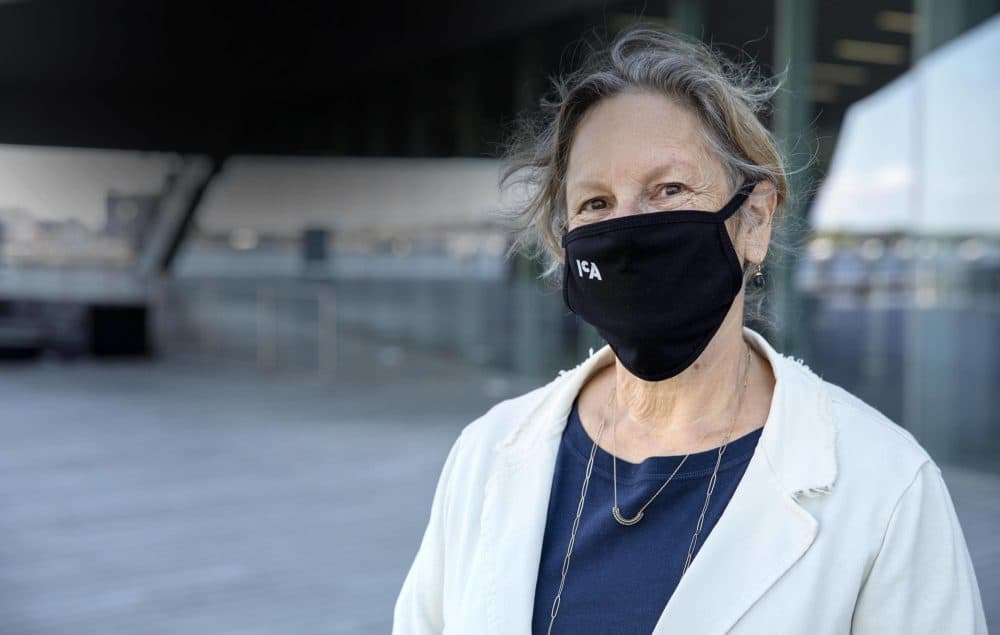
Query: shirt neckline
{"points": [[697, 465]]}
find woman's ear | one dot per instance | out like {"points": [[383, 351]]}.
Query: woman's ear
{"points": [[756, 234]]}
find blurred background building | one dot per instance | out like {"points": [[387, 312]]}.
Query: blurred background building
{"points": [[308, 196]]}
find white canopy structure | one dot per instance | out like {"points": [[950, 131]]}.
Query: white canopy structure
{"points": [[280, 195], [922, 155]]}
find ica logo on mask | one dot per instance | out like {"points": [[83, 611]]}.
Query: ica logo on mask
{"points": [[589, 268], [655, 315]]}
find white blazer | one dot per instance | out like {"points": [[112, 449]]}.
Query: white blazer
{"points": [[840, 524]]}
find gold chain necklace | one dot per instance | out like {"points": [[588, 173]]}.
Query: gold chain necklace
{"points": [[586, 483]]}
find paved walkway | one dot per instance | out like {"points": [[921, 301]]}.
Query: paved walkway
{"points": [[185, 499]]}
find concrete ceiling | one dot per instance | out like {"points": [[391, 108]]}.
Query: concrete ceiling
{"points": [[196, 76], [293, 78]]}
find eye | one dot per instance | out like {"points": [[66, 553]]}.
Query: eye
{"points": [[670, 189], [587, 207]]}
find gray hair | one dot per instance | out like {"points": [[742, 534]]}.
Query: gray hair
{"points": [[728, 98]]}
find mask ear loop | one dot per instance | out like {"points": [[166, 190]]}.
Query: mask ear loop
{"points": [[736, 201]]}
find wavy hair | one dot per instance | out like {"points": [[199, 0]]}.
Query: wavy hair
{"points": [[729, 98]]}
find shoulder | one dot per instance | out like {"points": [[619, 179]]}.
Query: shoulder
{"points": [[833, 438], [493, 426], [870, 467], [477, 444], [870, 439], [917, 569], [875, 456]]}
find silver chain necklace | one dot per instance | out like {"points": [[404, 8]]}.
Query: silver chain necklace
{"points": [[615, 511], [631, 521]]}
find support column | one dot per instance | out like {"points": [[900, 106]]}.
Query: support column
{"points": [[536, 335], [419, 111], [794, 48], [689, 17], [376, 118], [467, 109], [528, 81]]}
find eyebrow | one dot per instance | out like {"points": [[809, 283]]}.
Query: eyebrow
{"points": [[586, 185], [596, 185]]}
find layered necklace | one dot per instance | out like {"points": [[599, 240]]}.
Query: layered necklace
{"points": [[616, 512]]}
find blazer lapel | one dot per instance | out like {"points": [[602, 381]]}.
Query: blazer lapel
{"points": [[516, 507], [763, 530], [516, 501], [761, 533]]}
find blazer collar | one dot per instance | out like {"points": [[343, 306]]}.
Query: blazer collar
{"points": [[760, 535], [798, 436]]}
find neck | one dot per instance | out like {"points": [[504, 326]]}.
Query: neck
{"points": [[699, 404]]}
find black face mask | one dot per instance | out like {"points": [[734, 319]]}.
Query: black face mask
{"points": [[656, 286]]}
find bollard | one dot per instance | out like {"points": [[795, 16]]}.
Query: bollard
{"points": [[326, 334]]}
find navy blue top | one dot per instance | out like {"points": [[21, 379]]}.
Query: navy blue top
{"points": [[620, 578]]}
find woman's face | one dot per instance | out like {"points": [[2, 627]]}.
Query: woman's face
{"points": [[640, 152]]}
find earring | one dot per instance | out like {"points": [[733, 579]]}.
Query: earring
{"points": [[758, 278]]}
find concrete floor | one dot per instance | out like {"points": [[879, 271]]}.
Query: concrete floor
{"points": [[181, 497]]}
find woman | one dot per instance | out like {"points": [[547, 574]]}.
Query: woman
{"points": [[686, 478]]}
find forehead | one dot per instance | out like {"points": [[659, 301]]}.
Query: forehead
{"points": [[631, 131]]}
